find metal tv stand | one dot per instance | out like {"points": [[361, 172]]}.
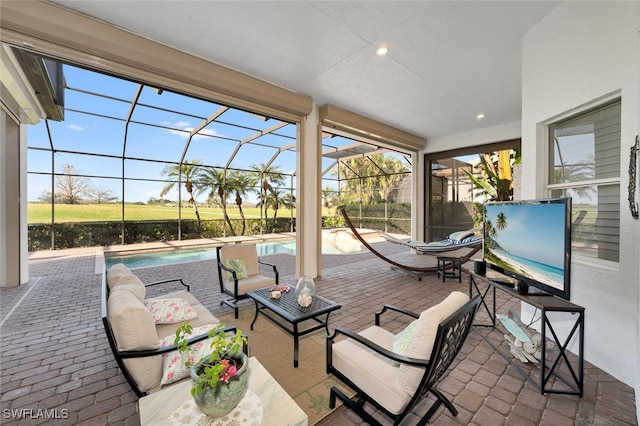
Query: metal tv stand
{"points": [[572, 374]]}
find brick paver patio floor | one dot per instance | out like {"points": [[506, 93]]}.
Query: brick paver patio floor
{"points": [[54, 354]]}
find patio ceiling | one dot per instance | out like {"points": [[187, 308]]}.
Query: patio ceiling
{"points": [[447, 61]]}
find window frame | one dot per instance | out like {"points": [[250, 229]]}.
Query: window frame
{"points": [[591, 107]]}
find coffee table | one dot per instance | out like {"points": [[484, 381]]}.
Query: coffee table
{"points": [[287, 308], [277, 406]]}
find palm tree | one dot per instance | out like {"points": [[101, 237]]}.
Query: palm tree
{"points": [[187, 171], [501, 221], [241, 183], [496, 180], [215, 180], [269, 177]]}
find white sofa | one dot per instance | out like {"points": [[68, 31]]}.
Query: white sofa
{"points": [[138, 342]]}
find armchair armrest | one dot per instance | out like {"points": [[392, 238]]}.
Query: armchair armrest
{"points": [[375, 347], [168, 281], [396, 309], [273, 267]]}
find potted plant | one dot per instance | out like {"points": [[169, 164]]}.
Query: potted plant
{"points": [[219, 378]]}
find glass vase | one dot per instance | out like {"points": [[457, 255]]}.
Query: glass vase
{"points": [[305, 290]]}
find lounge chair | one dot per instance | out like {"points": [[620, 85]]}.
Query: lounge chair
{"points": [[455, 241]]}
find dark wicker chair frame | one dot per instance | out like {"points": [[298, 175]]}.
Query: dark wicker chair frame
{"points": [[233, 302], [451, 335]]}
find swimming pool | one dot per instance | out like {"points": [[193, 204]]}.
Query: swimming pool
{"points": [[158, 257]]}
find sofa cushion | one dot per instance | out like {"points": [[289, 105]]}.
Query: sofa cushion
{"points": [[134, 329], [424, 336], [170, 311], [131, 322], [115, 273], [204, 316], [173, 363]]}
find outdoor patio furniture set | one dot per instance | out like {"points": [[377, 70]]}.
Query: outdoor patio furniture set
{"points": [[140, 331]]}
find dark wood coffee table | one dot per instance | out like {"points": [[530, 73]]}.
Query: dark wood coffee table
{"points": [[287, 308]]}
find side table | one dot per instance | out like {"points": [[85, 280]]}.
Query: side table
{"points": [[449, 267]]}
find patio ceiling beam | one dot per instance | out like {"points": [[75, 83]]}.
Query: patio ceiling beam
{"points": [[253, 137], [280, 150], [197, 129]]}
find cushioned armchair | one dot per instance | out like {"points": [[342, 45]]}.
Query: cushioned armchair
{"points": [[239, 272], [394, 372]]}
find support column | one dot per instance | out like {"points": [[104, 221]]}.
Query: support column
{"points": [[308, 201], [13, 225]]}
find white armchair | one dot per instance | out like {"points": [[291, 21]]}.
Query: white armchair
{"points": [[394, 372], [239, 272]]}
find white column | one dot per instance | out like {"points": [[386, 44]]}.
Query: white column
{"points": [[308, 206], [13, 208]]}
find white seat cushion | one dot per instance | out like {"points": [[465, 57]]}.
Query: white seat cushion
{"points": [[253, 282], [371, 372]]}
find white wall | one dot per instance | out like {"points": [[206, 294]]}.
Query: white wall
{"points": [[579, 54]]}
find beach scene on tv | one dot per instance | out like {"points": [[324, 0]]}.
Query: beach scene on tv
{"points": [[528, 240]]}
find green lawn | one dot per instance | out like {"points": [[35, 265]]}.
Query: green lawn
{"points": [[41, 213]]}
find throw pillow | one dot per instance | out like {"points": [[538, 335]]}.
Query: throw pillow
{"points": [[400, 342], [239, 265], [460, 235], [170, 311], [173, 363]]}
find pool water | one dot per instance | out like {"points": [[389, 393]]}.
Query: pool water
{"points": [[143, 259]]}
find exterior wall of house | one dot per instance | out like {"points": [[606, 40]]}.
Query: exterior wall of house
{"points": [[579, 55]]}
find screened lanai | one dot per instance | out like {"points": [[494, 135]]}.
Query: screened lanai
{"points": [[120, 162]]}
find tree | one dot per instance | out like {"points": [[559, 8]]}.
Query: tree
{"points": [[496, 174], [215, 181], [187, 171], [371, 176], [70, 187], [100, 195], [241, 183], [269, 177]]}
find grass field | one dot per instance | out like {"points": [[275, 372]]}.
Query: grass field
{"points": [[41, 213]]}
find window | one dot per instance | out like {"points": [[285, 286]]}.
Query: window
{"points": [[585, 166]]}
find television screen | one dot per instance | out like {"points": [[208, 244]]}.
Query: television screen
{"points": [[531, 242]]}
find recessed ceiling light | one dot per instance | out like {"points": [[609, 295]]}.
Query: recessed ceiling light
{"points": [[382, 50], [480, 116]]}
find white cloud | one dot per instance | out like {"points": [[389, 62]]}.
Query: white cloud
{"points": [[184, 125], [75, 127]]}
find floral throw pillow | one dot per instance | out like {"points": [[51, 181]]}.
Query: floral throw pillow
{"points": [[173, 363], [170, 311], [239, 265]]}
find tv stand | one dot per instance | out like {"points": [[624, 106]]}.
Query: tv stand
{"points": [[572, 375]]}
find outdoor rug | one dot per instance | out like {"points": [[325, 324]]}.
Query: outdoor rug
{"points": [[308, 384]]}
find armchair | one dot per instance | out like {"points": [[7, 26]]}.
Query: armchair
{"points": [[239, 272], [396, 372]]}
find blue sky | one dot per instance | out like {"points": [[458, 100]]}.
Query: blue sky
{"points": [[164, 141]]}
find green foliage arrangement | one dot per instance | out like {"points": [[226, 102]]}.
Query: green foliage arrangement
{"points": [[218, 367]]}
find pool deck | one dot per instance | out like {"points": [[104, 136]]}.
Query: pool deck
{"points": [[54, 352]]}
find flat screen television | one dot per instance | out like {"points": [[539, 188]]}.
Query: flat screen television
{"points": [[530, 241]]}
